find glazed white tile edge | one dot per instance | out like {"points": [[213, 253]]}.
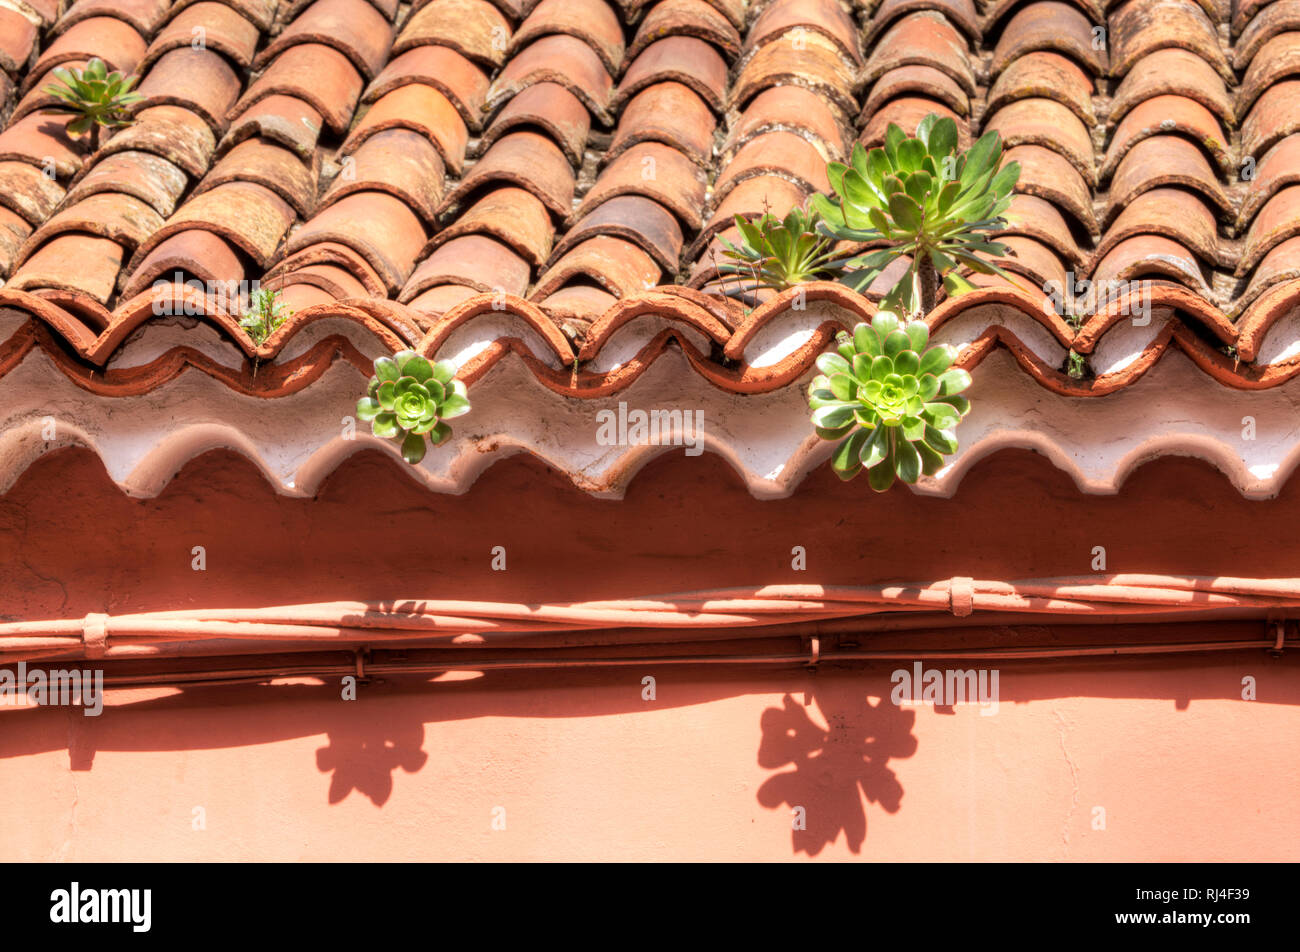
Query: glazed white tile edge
{"points": [[298, 440]]}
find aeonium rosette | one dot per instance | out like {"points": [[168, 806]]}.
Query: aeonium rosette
{"points": [[893, 403], [409, 398]]}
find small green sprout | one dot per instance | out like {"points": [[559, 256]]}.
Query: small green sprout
{"points": [[264, 314]]}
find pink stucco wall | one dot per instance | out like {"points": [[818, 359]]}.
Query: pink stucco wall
{"points": [[583, 766], [585, 769]]}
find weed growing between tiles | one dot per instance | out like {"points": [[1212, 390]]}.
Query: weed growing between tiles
{"points": [[99, 99]]}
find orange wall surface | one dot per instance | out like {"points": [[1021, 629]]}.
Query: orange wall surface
{"points": [[1139, 759], [584, 768]]}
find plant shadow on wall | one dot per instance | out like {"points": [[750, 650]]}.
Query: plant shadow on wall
{"points": [[838, 758], [365, 755]]}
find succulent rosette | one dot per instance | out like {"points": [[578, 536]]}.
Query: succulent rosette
{"points": [[409, 399], [892, 402]]}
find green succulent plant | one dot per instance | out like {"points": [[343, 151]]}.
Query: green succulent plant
{"points": [[920, 197], [409, 398], [264, 314], [95, 96], [892, 402], [779, 254]]}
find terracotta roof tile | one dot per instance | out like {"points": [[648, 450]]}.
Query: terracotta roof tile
{"points": [[1049, 175], [1277, 59], [923, 39], [1139, 27], [906, 112], [791, 109], [123, 218], [1281, 264], [825, 17], [398, 161], [1278, 220], [670, 113], [177, 134], [317, 74], [681, 59], [151, 178], [806, 59], [781, 153], [1277, 17], [14, 230], [216, 26], [750, 198], [17, 41], [1168, 114], [514, 216], [28, 191], [261, 13], [920, 82], [443, 298], [633, 218], [73, 262], [656, 171], [572, 152], [961, 13], [1280, 166], [475, 261], [473, 28], [1145, 256], [421, 109], [686, 18], [288, 120], [143, 15], [592, 21], [561, 59], [376, 225], [331, 253], [447, 71], [270, 165], [548, 106], [193, 251], [1034, 260], [1173, 72], [1046, 122], [1045, 74], [114, 41], [1038, 218], [353, 27], [529, 160], [1171, 212], [249, 216], [1276, 113], [1058, 27], [335, 281], [1161, 161]]}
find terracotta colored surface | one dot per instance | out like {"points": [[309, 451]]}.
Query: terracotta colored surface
{"points": [[671, 76], [416, 768]]}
